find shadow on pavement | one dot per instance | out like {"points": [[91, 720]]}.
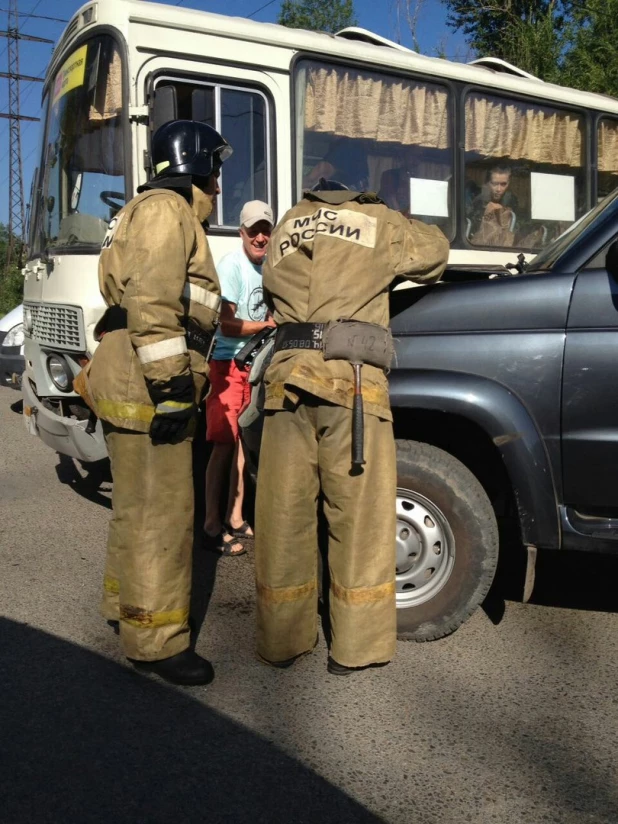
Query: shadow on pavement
{"points": [[576, 580], [17, 407], [204, 562], [85, 739], [567, 579], [88, 481], [203, 576]]}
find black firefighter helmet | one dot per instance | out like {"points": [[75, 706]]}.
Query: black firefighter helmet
{"points": [[324, 185], [187, 147]]}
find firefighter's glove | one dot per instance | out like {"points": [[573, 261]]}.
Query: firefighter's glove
{"points": [[174, 409]]}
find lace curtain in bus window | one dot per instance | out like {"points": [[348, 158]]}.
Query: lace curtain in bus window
{"points": [[348, 103], [108, 92], [607, 157], [521, 131], [525, 180], [608, 146]]}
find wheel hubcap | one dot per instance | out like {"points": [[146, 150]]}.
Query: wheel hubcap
{"points": [[425, 549]]}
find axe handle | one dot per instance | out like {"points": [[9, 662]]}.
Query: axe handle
{"points": [[358, 426]]}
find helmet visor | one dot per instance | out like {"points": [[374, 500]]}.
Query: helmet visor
{"points": [[222, 152], [219, 155]]}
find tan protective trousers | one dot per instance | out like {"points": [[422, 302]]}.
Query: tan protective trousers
{"points": [[148, 571], [306, 453]]}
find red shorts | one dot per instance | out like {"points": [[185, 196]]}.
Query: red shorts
{"points": [[229, 392]]}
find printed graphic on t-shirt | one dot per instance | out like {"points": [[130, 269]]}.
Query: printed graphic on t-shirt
{"points": [[255, 304]]}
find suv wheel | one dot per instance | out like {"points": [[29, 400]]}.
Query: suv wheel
{"points": [[447, 542]]}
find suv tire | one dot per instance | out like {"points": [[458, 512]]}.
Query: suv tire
{"points": [[447, 542]]}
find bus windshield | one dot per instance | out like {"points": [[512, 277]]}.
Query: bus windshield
{"points": [[81, 182]]}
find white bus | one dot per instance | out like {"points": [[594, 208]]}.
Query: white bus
{"points": [[427, 134]]}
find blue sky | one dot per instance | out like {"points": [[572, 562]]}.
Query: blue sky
{"points": [[376, 15]]}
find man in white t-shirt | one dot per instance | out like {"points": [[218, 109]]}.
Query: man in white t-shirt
{"points": [[243, 313]]}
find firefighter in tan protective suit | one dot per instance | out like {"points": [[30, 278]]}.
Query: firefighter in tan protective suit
{"points": [[145, 381], [333, 256]]}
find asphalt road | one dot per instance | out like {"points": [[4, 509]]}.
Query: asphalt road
{"points": [[513, 719]]}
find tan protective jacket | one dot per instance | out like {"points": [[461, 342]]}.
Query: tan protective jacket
{"points": [[155, 263], [333, 257]]}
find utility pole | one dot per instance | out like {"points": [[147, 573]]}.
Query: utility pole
{"points": [[16, 183]]}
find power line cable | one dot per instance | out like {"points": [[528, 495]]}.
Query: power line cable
{"points": [[253, 13], [43, 17], [23, 17], [270, 2], [25, 129], [32, 10], [28, 156]]}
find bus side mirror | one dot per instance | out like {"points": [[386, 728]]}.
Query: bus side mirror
{"points": [[611, 260]]}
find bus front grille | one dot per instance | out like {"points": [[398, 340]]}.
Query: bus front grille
{"points": [[57, 325]]}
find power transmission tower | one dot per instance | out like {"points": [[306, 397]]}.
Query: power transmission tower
{"points": [[16, 183]]}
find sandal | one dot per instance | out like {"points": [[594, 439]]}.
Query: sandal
{"points": [[217, 543], [242, 531]]}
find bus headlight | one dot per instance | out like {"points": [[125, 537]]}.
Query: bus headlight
{"points": [[60, 373]]}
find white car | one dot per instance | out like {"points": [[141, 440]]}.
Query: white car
{"points": [[12, 348]]}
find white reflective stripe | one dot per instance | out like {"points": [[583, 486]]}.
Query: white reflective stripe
{"points": [[163, 349], [202, 296]]}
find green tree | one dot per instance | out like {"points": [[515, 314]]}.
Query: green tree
{"points": [[317, 15], [530, 34], [11, 282], [591, 62]]}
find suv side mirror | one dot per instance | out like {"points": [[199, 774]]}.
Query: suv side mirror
{"points": [[611, 260]]}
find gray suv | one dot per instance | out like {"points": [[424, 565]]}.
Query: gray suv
{"points": [[505, 404]]}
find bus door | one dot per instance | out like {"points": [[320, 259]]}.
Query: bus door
{"points": [[250, 108]]}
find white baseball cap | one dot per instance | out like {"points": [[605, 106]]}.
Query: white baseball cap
{"points": [[254, 211]]}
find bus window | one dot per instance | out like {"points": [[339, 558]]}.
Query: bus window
{"points": [[525, 180], [241, 115], [607, 161], [82, 183], [373, 131]]}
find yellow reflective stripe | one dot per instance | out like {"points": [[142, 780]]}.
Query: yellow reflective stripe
{"points": [[202, 296], [172, 406], [111, 585], [275, 391], [124, 410], [339, 392], [363, 595], [285, 595], [161, 166], [144, 619], [162, 349]]}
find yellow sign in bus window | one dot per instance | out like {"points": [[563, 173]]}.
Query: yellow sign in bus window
{"points": [[72, 73]]}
